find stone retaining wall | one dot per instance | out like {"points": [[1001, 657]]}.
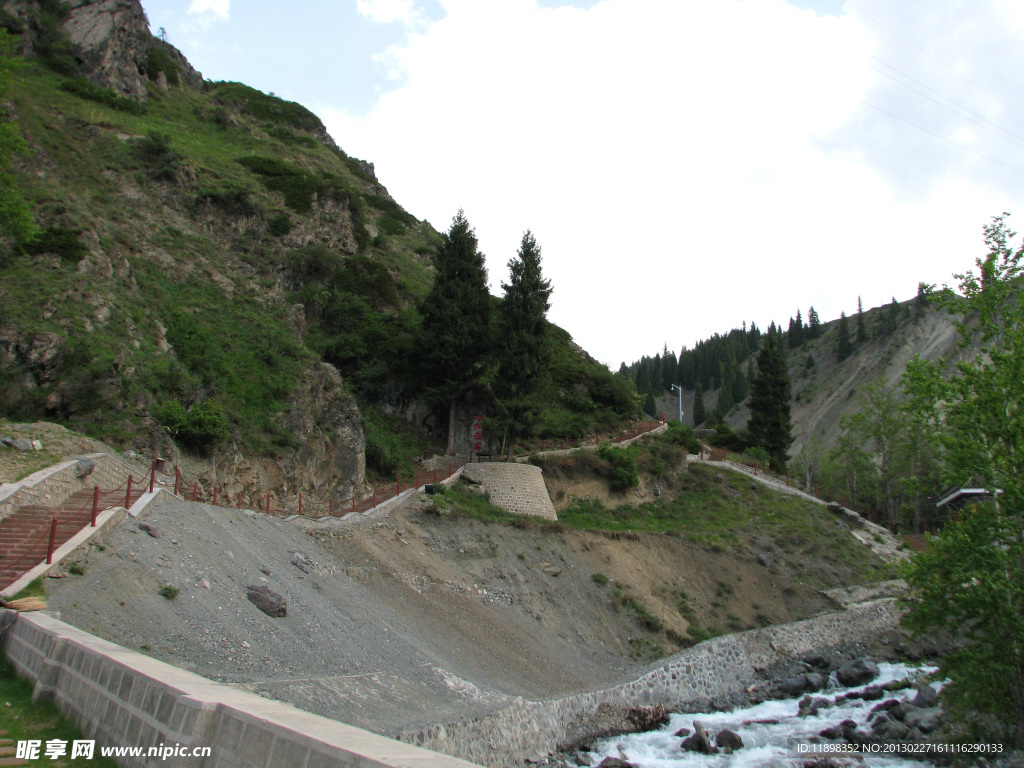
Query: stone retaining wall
{"points": [[518, 488], [52, 486], [122, 698], [724, 665]]}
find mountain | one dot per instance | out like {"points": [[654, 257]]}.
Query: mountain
{"points": [[213, 279]]}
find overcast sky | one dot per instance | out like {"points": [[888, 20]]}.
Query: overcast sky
{"points": [[685, 165]]}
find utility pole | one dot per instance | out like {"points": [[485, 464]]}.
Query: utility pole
{"points": [[679, 389]]}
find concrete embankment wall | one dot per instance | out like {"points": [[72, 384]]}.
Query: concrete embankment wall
{"points": [[122, 698], [724, 665]]}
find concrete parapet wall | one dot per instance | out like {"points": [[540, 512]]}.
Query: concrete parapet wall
{"points": [[52, 486], [723, 665], [122, 698], [518, 488]]}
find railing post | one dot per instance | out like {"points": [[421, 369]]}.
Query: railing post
{"points": [[398, 486], [566, 443], [128, 494], [433, 477], [53, 538], [195, 490], [177, 480], [449, 470], [239, 500], [215, 495], [375, 497], [300, 503], [152, 476], [353, 499], [268, 502], [95, 504]]}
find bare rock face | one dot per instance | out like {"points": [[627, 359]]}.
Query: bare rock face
{"points": [[328, 428], [111, 42], [39, 353]]}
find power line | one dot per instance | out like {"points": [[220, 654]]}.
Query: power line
{"points": [[943, 138], [980, 122]]}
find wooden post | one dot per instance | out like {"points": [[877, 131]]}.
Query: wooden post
{"points": [[53, 538], [195, 490], [215, 495], [353, 499], [128, 494], [95, 504], [268, 502], [239, 500], [300, 503], [375, 497], [177, 480], [152, 476]]}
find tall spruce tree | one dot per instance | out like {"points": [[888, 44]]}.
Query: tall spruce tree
{"points": [[523, 355], [456, 319], [770, 426], [844, 347], [813, 324], [862, 332], [699, 412]]}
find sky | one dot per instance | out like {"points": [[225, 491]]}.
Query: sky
{"points": [[685, 165]]}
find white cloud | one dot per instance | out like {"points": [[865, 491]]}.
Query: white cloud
{"points": [[388, 11], [668, 156], [217, 8]]}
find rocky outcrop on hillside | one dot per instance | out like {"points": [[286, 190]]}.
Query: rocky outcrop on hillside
{"points": [[111, 42]]}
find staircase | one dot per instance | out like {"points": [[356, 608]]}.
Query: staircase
{"points": [[25, 535]]}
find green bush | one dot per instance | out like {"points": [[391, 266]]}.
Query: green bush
{"points": [[201, 427], [60, 241], [232, 200], [159, 60], [266, 107], [683, 434], [599, 578], [83, 89], [169, 592], [155, 151], [279, 225], [623, 465]]}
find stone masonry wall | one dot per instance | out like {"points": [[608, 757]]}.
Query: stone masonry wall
{"points": [[53, 485], [728, 664], [518, 488]]}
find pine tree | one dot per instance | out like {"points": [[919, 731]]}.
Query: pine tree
{"points": [[844, 347], [456, 319], [813, 324], [650, 407], [523, 354], [862, 332], [769, 424], [699, 414], [795, 336]]}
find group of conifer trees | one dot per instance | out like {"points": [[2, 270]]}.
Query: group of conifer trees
{"points": [[458, 327]]}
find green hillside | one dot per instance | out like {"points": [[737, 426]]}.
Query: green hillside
{"points": [[196, 253]]}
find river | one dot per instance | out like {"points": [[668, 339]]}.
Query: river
{"points": [[771, 731]]}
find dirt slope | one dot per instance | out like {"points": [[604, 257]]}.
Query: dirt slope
{"points": [[417, 618]]}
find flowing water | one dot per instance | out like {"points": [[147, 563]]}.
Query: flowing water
{"points": [[771, 731]]}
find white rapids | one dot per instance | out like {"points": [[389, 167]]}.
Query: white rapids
{"points": [[765, 743]]}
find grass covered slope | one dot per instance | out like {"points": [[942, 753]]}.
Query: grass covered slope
{"points": [[196, 254]]}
